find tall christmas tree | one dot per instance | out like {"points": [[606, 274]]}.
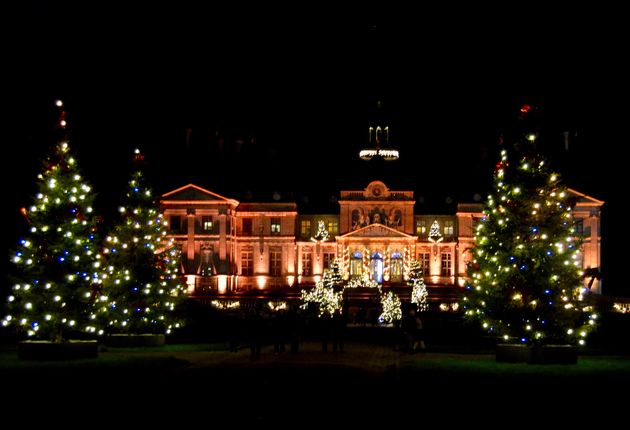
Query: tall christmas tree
{"points": [[525, 273], [142, 287], [419, 292], [56, 265]]}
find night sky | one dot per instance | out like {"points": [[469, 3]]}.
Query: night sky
{"points": [[247, 103]]}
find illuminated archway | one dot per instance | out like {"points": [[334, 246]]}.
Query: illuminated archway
{"points": [[376, 267]]}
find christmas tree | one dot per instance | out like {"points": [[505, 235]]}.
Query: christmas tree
{"points": [[419, 293], [325, 297], [142, 287], [332, 276], [55, 280], [392, 308], [525, 272]]}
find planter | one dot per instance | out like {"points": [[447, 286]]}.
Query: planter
{"points": [[47, 350], [554, 354], [513, 353], [135, 340]]}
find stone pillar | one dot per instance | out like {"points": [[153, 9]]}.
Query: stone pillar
{"points": [[190, 243], [222, 239]]}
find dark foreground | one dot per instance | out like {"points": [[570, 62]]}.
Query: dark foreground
{"points": [[367, 384]]}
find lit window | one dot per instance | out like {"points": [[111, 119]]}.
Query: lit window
{"points": [[307, 263], [305, 227], [448, 228], [275, 262], [206, 223], [247, 262], [275, 225], [425, 263], [329, 257], [446, 264]]}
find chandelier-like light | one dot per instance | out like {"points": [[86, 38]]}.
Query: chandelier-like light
{"points": [[377, 134]]}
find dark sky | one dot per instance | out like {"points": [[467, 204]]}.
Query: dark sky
{"points": [[280, 100]]}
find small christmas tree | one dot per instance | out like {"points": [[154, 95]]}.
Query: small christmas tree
{"points": [[322, 234], [526, 277], [56, 278], [392, 308], [419, 294], [327, 299], [333, 275], [143, 288]]}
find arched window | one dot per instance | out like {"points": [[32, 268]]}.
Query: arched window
{"points": [[356, 264], [396, 267], [376, 267]]}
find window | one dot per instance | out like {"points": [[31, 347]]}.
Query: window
{"points": [[247, 226], [206, 223], [579, 227], [305, 227], [425, 263], [356, 264], [206, 262], [275, 262], [421, 227], [396, 269], [376, 267], [333, 227], [448, 228], [176, 222], [275, 225], [329, 257], [247, 262], [307, 263], [446, 264]]}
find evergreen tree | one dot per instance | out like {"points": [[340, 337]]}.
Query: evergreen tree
{"points": [[55, 277], [419, 294], [142, 287], [526, 277], [392, 308], [333, 275]]}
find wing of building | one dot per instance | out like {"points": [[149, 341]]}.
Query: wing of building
{"points": [[231, 248]]}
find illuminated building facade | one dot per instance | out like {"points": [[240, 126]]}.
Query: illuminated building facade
{"points": [[230, 248]]}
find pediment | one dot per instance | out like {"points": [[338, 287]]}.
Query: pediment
{"points": [[376, 230], [192, 192], [583, 199]]}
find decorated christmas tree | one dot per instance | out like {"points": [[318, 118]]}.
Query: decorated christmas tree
{"points": [[328, 301], [392, 308], [332, 276], [525, 273], [419, 292], [55, 281], [142, 287]]}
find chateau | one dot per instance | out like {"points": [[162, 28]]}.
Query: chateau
{"points": [[231, 248]]}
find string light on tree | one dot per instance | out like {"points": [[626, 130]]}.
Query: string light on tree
{"points": [[142, 291], [525, 280], [322, 234], [56, 276], [392, 308], [419, 294]]}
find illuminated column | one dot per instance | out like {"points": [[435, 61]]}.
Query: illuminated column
{"points": [[190, 244], [222, 238]]}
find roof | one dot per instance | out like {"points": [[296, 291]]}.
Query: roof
{"points": [[584, 200], [376, 230], [194, 193], [267, 207]]}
